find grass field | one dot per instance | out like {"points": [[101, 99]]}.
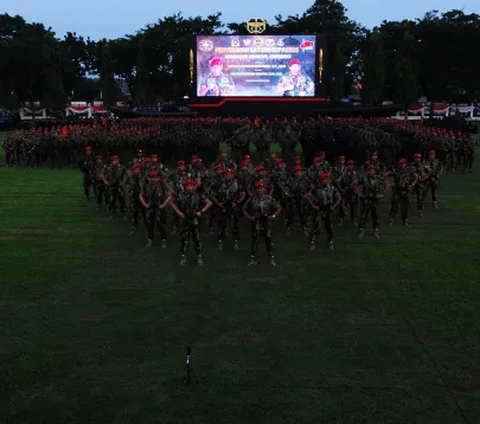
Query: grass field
{"points": [[94, 328]]}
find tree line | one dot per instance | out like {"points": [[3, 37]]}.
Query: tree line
{"points": [[435, 56]]}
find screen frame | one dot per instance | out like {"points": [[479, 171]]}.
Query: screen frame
{"points": [[320, 70]]}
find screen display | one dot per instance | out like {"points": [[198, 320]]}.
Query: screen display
{"points": [[256, 66]]}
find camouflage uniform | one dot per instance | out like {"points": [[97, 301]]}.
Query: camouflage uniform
{"points": [[296, 189], [261, 208], [98, 184], [189, 205], [86, 166], [401, 196], [350, 198], [115, 175], [134, 188], [433, 169], [155, 195], [324, 197], [369, 190], [227, 194], [419, 190]]}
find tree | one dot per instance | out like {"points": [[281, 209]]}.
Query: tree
{"points": [[142, 92], [53, 92], [406, 72], [374, 70], [107, 80]]}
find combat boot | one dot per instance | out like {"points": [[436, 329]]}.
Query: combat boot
{"points": [[376, 233], [149, 244], [133, 230], [390, 224], [163, 244], [340, 222], [220, 244], [313, 246], [253, 261], [183, 260], [199, 260], [272, 261], [436, 205], [406, 224], [235, 245], [331, 246], [288, 231]]}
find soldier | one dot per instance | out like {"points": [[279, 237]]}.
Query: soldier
{"points": [[98, 183], [379, 166], [323, 200], [113, 177], [227, 196], [86, 166], [371, 190], [314, 170], [270, 164], [155, 197], [138, 158], [296, 190], [418, 166], [403, 181], [337, 173], [132, 185], [347, 190], [190, 206], [178, 178], [434, 169], [260, 210], [261, 175], [225, 161]]}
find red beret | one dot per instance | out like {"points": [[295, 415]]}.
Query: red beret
{"points": [[154, 156], [294, 62], [243, 164], [402, 161], [317, 160], [147, 160], [246, 156], [139, 151], [189, 181], [431, 152], [279, 160], [371, 167], [260, 168], [350, 162], [340, 158], [136, 166], [154, 174], [229, 171], [98, 157], [374, 154], [217, 167], [324, 175], [216, 61], [259, 184], [417, 155], [114, 157], [88, 149], [298, 169], [181, 163]]}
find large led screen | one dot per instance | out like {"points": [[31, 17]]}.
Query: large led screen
{"points": [[256, 66]]}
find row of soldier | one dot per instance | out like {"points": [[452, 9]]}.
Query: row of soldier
{"points": [[180, 137], [317, 195]]}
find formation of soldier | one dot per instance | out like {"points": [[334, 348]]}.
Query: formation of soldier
{"points": [[320, 196], [179, 138]]}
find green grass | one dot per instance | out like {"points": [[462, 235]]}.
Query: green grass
{"points": [[94, 328]]}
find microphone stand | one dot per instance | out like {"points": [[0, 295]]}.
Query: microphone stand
{"points": [[188, 381]]}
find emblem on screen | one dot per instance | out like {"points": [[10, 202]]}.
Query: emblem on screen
{"points": [[205, 45], [256, 25]]}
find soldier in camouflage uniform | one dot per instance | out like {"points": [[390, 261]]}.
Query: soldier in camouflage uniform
{"points": [[323, 199], [403, 181], [270, 164], [190, 206], [337, 173], [86, 166], [138, 158], [260, 210], [98, 183], [227, 195], [346, 186], [261, 175], [155, 197], [113, 177], [379, 166], [225, 161], [178, 178], [371, 190], [296, 189], [434, 169], [418, 166], [132, 185]]}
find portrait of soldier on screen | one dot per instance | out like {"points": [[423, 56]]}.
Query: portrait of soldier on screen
{"points": [[217, 83], [295, 83]]}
